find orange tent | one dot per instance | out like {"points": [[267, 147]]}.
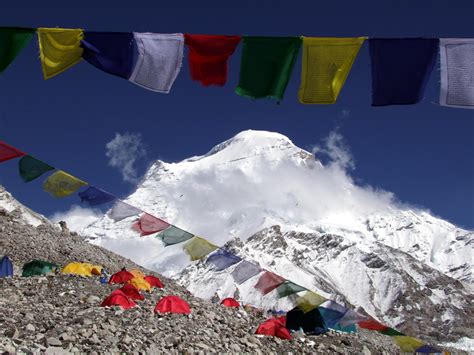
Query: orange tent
{"points": [[137, 273]]}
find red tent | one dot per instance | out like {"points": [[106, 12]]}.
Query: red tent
{"points": [[121, 277], [230, 302], [118, 298], [281, 319], [372, 324], [172, 304], [154, 281], [132, 292], [274, 327]]}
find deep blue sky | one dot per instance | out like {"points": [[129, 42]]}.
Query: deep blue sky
{"points": [[423, 153]]}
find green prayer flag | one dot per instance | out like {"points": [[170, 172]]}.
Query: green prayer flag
{"points": [[31, 168], [288, 288], [12, 41], [390, 332], [266, 66], [173, 235]]}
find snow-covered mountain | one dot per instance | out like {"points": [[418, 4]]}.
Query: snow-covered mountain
{"points": [[276, 204], [23, 213]]}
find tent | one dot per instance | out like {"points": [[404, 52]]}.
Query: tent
{"points": [[154, 281], [140, 284], [137, 273], [121, 277], [311, 322], [6, 267], [37, 267], [82, 269], [172, 304], [132, 292], [118, 298], [348, 329], [230, 302], [273, 327]]}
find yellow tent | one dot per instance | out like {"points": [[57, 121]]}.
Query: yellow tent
{"points": [[83, 269], [140, 283], [137, 273]]}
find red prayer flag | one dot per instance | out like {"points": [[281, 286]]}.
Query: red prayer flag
{"points": [[372, 324], [208, 57], [8, 152], [148, 224], [268, 282]]}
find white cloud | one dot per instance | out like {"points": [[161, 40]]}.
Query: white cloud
{"points": [[123, 152], [77, 217], [336, 149]]}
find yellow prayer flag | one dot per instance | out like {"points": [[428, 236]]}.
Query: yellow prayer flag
{"points": [[326, 64], [61, 184], [59, 49], [198, 248], [406, 343], [309, 301]]}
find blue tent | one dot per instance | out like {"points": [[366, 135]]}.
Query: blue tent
{"points": [[6, 267]]}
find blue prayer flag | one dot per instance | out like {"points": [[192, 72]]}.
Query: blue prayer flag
{"points": [[93, 196], [331, 317], [111, 52], [400, 69], [222, 259]]}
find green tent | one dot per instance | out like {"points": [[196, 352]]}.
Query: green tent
{"points": [[38, 267]]}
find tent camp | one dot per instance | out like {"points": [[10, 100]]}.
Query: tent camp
{"points": [[311, 322], [154, 281], [6, 267], [82, 269], [132, 292], [230, 302], [121, 277], [172, 304], [140, 284], [273, 327], [118, 298], [38, 267]]}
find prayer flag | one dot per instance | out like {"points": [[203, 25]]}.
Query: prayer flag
{"points": [[407, 344], [457, 72], [12, 41], [208, 56], [268, 282], [59, 49], [266, 66], [401, 68], [222, 259], [8, 152], [159, 60], [326, 65], [61, 184], [426, 349], [111, 52], [372, 324], [390, 332], [197, 248], [351, 317], [148, 224], [288, 288], [31, 168], [331, 317], [244, 271], [309, 301], [174, 235], [122, 210], [94, 196]]}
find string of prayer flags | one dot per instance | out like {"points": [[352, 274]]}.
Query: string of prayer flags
{"points": [[351, 317], [244, 271], [12, 41], [288, 288], [94, 196], [197, 248], [61, 184], [8, 152], [174, 235], [148, 224], [326, 65], [309, 301], [59, 49], [266, 66], [111, 52], [31, 168], [457, 72], [208, 56], [268, 282], [159, 60], [222, 259], [407, 344], [401, 68], [121, 210]]}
